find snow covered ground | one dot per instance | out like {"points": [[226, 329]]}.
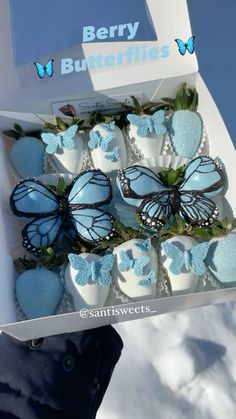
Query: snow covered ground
{"points": [[176, 366]]}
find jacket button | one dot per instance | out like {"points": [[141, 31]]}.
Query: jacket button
{"points": [[68, 363], [35, 343], [96, 385]]}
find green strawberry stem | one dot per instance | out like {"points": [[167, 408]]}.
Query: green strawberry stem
{"points": [[185, 99]]}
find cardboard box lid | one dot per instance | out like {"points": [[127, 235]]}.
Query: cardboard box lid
{"points": [[101, 65]]}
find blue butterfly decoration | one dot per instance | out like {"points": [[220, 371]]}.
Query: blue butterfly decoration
{"points": [[96, 140], [109, 127], [44, 69], [145, 246], [149, 280], [60, 140], [157, 202], [191, 260], [78, 213], [128, 262], [186, 46], [114, 156], [96, 271], [148, 124]]}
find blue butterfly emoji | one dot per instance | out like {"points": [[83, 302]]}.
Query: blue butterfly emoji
{"points": [[148, 124], [109, 127], [78, 213], [145, 246], [186, 46], [128, 262], [96, 270], [96, 140], [157, 202], [44, 69], [149, 280], [191, 260], [60, 140], [114, 156]]}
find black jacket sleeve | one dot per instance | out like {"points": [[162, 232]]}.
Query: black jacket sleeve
{"points": [[63, 376]]}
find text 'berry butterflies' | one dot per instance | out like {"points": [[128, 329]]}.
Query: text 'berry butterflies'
{"points": [[148, 124], [186, 46], [127, 262], [60, 140], [96, 271], [157, 202], [78, 213], [44, 69], [191, 260]]}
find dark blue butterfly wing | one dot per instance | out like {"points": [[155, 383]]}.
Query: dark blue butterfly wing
{"points": [[90, 188], [41, 232], [154, 210], [40, 69], [92, 225], [191, 44], [203, 174], [137, 182], [49, 68], [30, 198], [182, 46], [196, 208]]}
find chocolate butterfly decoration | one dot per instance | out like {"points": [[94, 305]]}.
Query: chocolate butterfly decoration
{"points": [[99, 271], [191, 260], [145, 246], [78, 213], [128, 262], [149, 280], [114, 156], [60, 140], [96, 140], [157, 202], [148, 124]]}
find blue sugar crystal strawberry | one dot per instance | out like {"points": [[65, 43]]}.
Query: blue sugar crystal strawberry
{"points": [[38, 292], [185, 126], [27, 157]]}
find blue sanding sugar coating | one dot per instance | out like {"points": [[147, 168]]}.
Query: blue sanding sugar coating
{"points": [[27, 157], [186, 131], [221, 259], [39, 292]]}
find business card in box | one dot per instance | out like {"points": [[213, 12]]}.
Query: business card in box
{"points": [[162, 243]]}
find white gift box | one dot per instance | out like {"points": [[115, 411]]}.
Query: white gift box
{"points": [[25, 99]]}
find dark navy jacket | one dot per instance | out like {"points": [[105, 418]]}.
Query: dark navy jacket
{"points": [[63, 376]]}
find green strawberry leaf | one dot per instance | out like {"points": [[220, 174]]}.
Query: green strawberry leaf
{"points": [[172, 176], [217, 230], [24, 264], [61, 125], [202, 233], [12, 134], [137, 105], [19, 130], [225, 222], [186, 98], [233, 224]]}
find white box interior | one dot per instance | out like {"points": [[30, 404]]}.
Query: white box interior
{"points": [[156, 81], [30, 329]]}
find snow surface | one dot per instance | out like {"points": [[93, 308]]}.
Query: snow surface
{"points": [[176, 366]]}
